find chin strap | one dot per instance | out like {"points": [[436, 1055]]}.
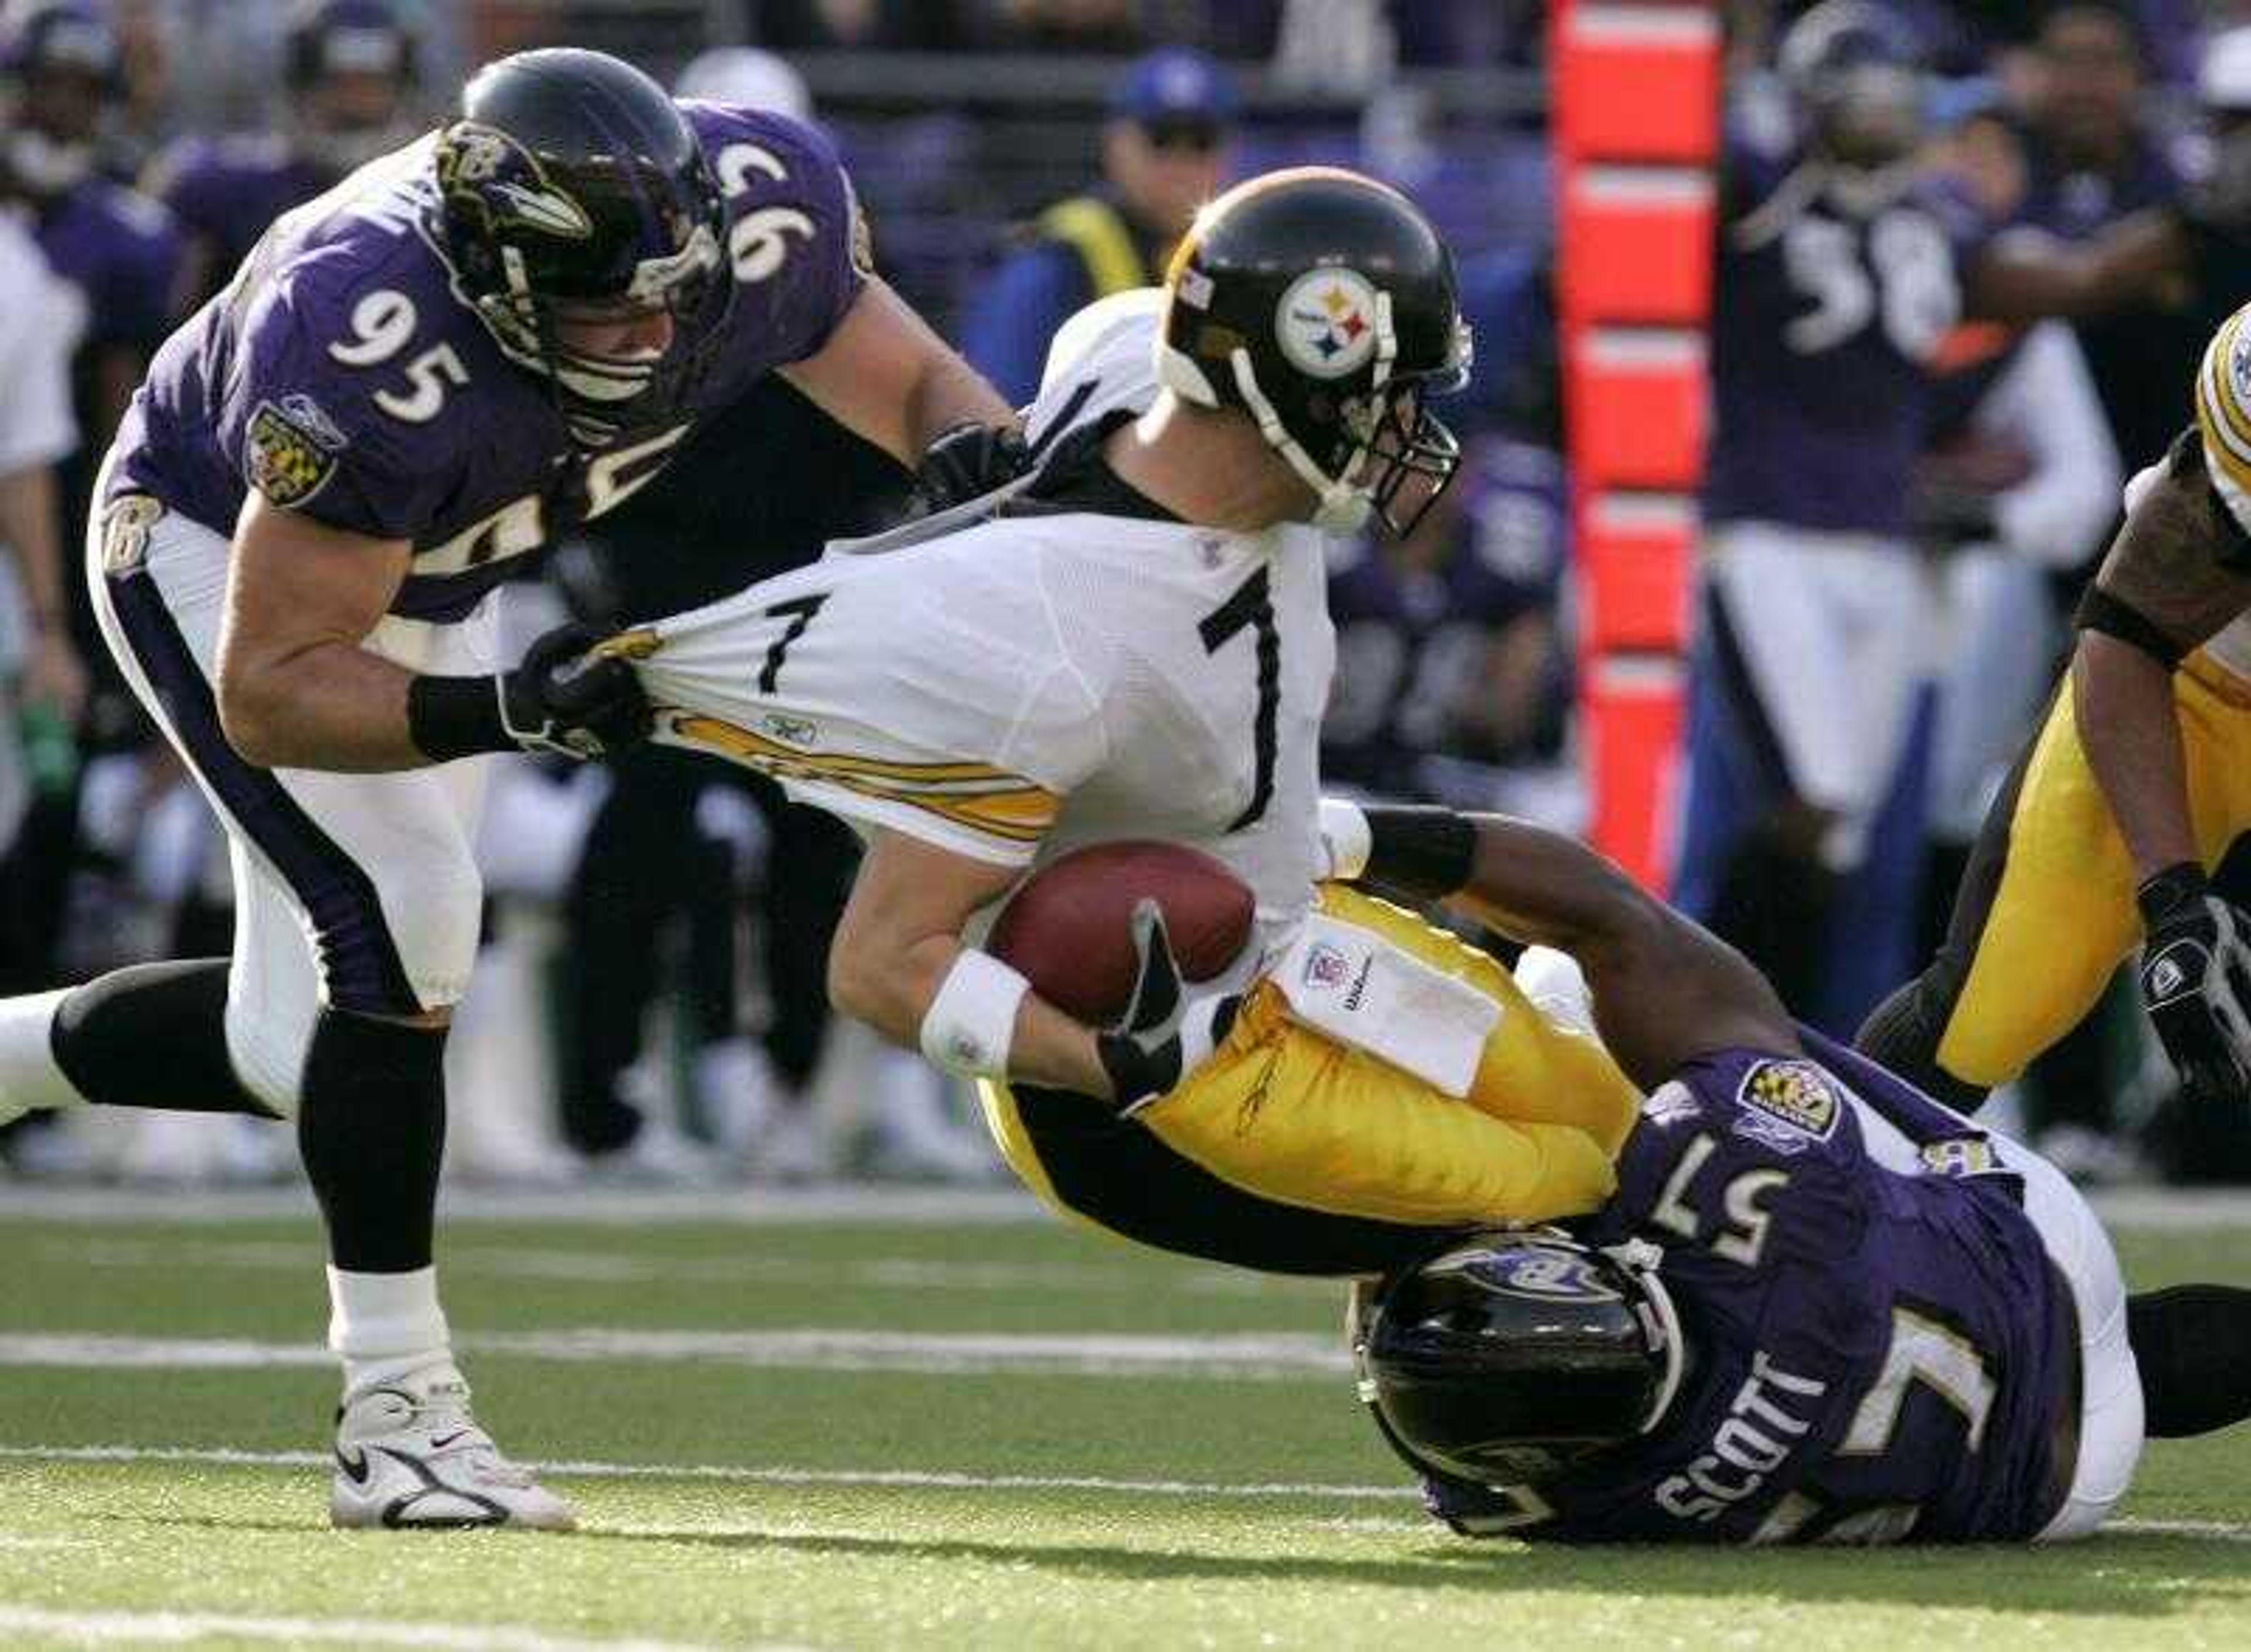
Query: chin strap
{"points": [[1341, 504]]}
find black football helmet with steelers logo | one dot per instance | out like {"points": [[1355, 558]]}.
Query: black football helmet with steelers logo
{"points": [[1323, 305], [570, 181]]}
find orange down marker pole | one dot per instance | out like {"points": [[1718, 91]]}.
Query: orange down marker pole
{"points": [[1635, 120]]}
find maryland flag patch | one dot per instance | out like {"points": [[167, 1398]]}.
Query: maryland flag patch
{"points": [[1796, 1093], [288, 454]]}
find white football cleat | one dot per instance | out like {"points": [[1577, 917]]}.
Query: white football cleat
{"points": [[410, 1456]]}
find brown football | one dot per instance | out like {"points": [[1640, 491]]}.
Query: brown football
{"points": [[1069, 928]]}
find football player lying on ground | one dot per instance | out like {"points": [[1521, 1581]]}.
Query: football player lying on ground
{"points": [[1821, 1306], [1136, 644]]}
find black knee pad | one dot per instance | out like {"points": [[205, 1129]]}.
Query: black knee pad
{"points": [[153, 1036]]}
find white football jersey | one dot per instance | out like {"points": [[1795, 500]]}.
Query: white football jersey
{"points": [[1028, 684]]}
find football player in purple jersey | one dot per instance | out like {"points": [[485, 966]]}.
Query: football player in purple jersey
{"points": [[413, 385], [62, 66], [1843, 266], [1819, 1307], [349, 72]]}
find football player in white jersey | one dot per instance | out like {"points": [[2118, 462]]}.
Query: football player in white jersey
{"points": [[1134, 642]]}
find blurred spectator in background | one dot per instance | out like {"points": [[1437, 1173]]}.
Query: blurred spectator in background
{"points": [[1990, 38], [848, 25], [1164, 151], [756, 491], [349, 73], [62, 66], [1452, 678], [1113, 26], [2092, 155], [40, 678], [118, 255]]}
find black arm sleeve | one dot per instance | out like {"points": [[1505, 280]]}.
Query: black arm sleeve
{"points": [[1424, 854], [2099, 611]]}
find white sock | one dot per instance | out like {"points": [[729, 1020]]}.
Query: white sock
{"points": [[386, 1327], [30, 1079]]}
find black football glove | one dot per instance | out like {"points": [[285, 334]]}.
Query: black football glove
{"points": [[561, 699], [1166, 1030], [2196, 980], [968, 460]]}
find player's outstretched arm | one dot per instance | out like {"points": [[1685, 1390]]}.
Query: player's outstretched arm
{"points": [[898, 947], [2021, 278], [2163, 588], [297, 690], [1664, 989], [885, 376]]}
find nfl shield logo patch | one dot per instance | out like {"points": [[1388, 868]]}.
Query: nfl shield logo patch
{"points": [[1325, 967]]}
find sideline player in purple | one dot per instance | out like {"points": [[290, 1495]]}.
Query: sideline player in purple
{"points": [[1819, 1308], [414, 385], [348, 71]]}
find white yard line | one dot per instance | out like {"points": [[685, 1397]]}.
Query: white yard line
{"points": [[936, 1480], [184, 1628], [2224, 1531], [1272, 1357], [840, 1204], [2160, 1208], [564, 1266]]}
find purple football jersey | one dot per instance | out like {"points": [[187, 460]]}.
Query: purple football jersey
{"points": [[227, 191], [120, 249], [1878, 1354], [1414, 642], [342, 375], [1825, 325]]}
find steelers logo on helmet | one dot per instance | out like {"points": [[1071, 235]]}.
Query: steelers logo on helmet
{"points": [[2239, 368], [1326, 322]]}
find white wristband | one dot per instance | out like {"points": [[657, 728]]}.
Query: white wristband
{"points": [[970, 1024], [1345, 835]]}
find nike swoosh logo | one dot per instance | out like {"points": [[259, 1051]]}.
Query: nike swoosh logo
{"points": [[355, 1466], [439, 1444]]}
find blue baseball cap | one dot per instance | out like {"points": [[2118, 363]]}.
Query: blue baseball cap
{"points": [[1173, 85]]}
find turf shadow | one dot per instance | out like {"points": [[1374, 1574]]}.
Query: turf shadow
{"points": [[2143, 1574]]}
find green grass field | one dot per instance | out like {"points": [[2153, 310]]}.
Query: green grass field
{"points": [[966, 1429]]}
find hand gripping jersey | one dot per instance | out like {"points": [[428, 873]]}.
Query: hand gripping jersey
{"points": [[1824, 325], [1025, 683], [1880, 1347], [340, 375]]}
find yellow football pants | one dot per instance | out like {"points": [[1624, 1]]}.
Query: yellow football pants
{"points": [[1291, 1152], [2046, 911]]}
